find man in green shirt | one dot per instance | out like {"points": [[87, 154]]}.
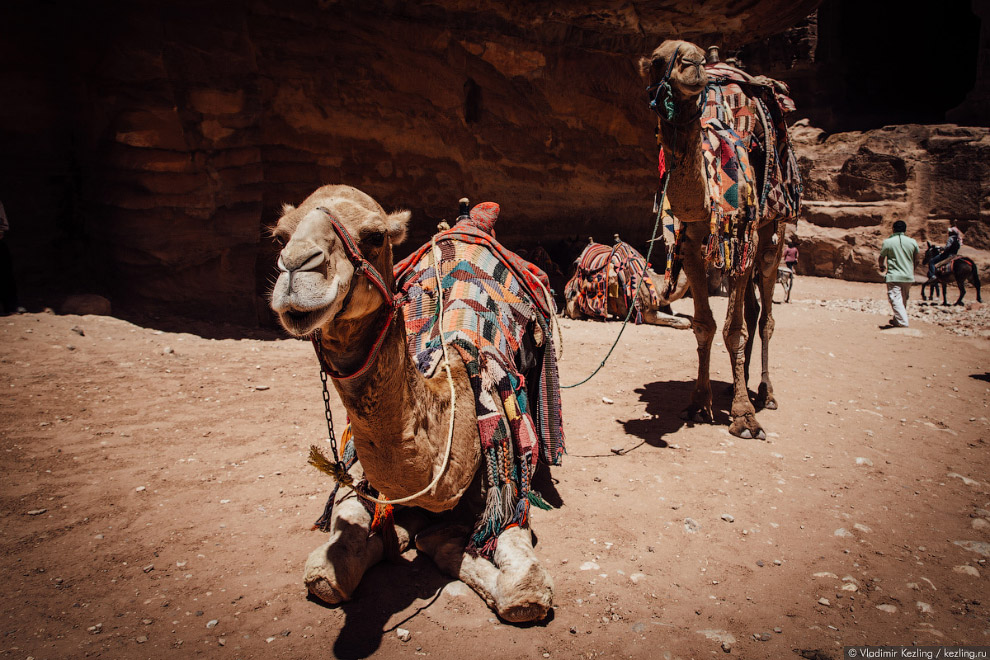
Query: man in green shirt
{"points": [[897, 257]]}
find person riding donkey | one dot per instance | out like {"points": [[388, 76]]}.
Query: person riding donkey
{"points": [[951, 249]]}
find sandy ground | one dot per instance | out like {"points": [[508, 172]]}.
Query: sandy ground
{"points": [[156, 500]]}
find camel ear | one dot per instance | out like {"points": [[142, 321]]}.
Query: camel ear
{"points": [[287, 209], [646, 65], [396, 223]]}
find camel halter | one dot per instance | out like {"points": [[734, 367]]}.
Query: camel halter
{"points": [[661, 95], [361, 267], [336, 468]]}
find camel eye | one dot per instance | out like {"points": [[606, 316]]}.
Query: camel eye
{"points": [[375, 238]]}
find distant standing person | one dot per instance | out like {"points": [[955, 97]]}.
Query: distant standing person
{"points": [[791, 256], [8, 289], [897, 257]]}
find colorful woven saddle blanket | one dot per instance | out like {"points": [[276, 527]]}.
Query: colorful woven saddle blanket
{"points": [[497, 322], [755, 109], [752, 172], [599, 267]]}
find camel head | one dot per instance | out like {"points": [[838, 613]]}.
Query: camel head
{"points": [[316, 284], [687, 71]]}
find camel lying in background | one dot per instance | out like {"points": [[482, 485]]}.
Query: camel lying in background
{"points": [[718, 127], [605, 281], [336, 285]]}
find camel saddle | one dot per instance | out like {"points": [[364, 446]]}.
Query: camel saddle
{"points": [[743, 132], [497, 315], [596, 265]]}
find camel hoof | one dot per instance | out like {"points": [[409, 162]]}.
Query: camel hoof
{"points": [[322, 589], [747, 427], [770, 404], [524, 613], [525, 592]]}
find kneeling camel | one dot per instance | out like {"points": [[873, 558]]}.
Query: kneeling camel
{"points": [[336, 285]]}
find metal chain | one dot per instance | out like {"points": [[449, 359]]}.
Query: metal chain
{"points": [[326, 406]]}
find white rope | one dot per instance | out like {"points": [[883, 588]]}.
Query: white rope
{"points": [[551, 305], [450, 380]]}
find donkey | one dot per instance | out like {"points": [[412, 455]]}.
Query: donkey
{"points": [[959, 268]]}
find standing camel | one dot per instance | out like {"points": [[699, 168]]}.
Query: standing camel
{"points": [[410, 440], [732, 183]]}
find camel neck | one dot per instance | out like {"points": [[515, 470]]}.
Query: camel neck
{"points": [[392, 409], [687, 189]]}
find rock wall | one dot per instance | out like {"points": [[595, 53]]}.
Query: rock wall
{"points": [[147, 144], [858, 184]]}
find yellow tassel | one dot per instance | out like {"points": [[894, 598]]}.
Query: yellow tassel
{"points": [[324, 465]]}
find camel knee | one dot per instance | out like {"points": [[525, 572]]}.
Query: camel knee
{"points": [[334, 570], [704, 327], [735, 337], [766, 327]]}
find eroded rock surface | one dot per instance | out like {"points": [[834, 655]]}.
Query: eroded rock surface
{"points": [[858, 184]]}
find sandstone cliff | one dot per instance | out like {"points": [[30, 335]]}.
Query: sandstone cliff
{"points": [[858, 184], [147, 144]]}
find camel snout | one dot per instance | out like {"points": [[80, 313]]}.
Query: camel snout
{"points": [[289, 262]]}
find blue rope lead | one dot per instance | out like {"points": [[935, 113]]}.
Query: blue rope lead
{"points": [[656, 226]]}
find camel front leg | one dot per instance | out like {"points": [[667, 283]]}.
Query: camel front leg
{"points": [[703, 324], [744, 424], [334, 569], [766, 279], [767, 283], [517, 586]]}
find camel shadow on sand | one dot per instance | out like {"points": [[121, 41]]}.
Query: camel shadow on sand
{"points": [[387, 588], [664, 402], [390, 587]]}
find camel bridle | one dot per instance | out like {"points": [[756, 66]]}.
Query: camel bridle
{"points": [[361, 267], [661, 95]]}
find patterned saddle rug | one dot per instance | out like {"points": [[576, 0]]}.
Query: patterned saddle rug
{"points": [[753, 177], [495, 309], [600, 266]]}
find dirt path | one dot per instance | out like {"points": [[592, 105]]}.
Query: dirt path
{"points": [[156, 499]]}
